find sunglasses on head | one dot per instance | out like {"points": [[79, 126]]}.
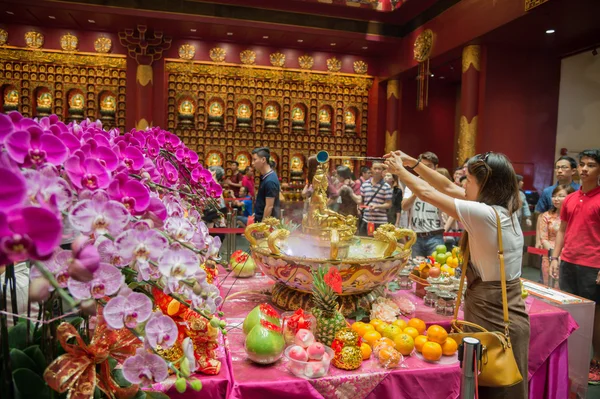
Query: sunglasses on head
{"points": [[484, 157]]}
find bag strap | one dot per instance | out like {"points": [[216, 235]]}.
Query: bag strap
{"points": [[376, 192], [466, 258]]}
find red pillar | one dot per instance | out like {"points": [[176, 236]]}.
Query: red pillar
{"points": [[469, 103], [392, 115]]}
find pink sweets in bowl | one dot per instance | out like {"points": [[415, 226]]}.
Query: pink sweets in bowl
{"points": [[310, 368]]}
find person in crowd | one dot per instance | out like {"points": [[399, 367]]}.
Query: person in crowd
{"points": [[458, 174], [423, 218], [524, 213], [248, 180], [365, 174], [348, 201], [234, 182], [244, 207], [564, 169], [214, 217], [376, 199], [463, 181], [267, 202], [444, 172], [491, 190], [396, 209], [577, 245], [548, 226]]}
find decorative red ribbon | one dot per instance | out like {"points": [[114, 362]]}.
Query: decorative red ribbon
{"points": [[75, 371], [299, 320]]}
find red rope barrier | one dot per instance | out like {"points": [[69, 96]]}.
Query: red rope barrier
{"points": [[224, 230], [537, 251]]}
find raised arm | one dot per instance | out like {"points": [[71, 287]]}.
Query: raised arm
{"points": [[421, 188], [438, 181]]}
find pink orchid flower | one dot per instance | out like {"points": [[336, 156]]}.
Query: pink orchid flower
{"points": [[127, 311], [106, 281], [145, 368], [99, 215], [161, 331]]}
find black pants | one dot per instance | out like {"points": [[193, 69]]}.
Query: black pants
{"points": [[579, 280]]}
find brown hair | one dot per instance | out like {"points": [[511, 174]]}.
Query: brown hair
{"points": [[430, 156], [497, 183], [444, 172], [312, 167]]}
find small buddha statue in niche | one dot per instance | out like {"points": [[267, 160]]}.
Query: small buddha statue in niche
{"points": [[296, 164], [244, 111], [298, 115], [45, 100], [108, 104], [271, 112], [324, 116], [349, 118], [214, 160], [11, 100], [215, 109], [186, 108], [76, 102]]}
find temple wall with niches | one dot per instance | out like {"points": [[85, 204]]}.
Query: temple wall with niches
{"points": [[73, 85], [223, 111]]}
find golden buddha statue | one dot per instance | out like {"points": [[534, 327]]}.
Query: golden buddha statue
{"points": [[244, 111], [324, 116], [11, 98], [320, 219], [108, 104], [215, 109], [45, 100], [186, 108], [214, 160], [349, 118], [76, 102], [271, 112], [297, 114], [297, 164]]}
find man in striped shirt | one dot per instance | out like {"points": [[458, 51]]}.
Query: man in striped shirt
{"points": [[377, 197]]}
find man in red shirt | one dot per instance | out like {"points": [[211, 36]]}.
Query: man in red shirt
{"points": [[248, 181], [235, 181], [578, 245]]}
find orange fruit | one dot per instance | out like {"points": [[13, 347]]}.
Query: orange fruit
{"points": [[381, 327], [411, 331], [389, 357], [371, 337], [362, 330], [400, 323], [391, 331], [418, 324], [356, 326], [432, 351], [404, 344], [366, 350], [173, 307], [386, 341], [419, 342], [437, 334], [374, 322], [449, 347]]}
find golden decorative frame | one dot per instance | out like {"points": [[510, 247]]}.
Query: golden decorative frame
{"points": [[334, 65], [248, 57], [306, 62], [360, 67], [217, 54], [531, 4], [277, 59], [34, 40], [187, 51], [69, 42], [423, 46], [103, 45], [3, 37]]}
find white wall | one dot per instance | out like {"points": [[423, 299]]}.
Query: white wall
{"points": [[579, 104]]}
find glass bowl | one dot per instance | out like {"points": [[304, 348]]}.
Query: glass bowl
{"points": [[313, 369]]}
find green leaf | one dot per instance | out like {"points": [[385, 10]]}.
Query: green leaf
{"points": [[120, 379], [140, 395], [19, 360], [76, 322], [30, 385], [17, 336], [156, 395], [393, 286], [35, 353], [358, 314], [112, 363]]}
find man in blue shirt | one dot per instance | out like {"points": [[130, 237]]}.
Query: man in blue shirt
{"points": [[267, 197], [565, 167], [244, 206]]}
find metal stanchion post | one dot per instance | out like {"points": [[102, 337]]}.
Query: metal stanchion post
{"points": [[469, 355], [233, 226], [228, 237]]}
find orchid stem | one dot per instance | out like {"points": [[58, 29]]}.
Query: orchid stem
{"points": [[50, 277]]}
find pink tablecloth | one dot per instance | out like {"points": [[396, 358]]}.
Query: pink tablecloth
{"points": [[548, 361]]}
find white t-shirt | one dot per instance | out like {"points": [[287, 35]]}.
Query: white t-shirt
{"points": [[480, 222], [421, 217]]}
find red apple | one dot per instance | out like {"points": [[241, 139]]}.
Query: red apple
{"points": [[434, 272]]}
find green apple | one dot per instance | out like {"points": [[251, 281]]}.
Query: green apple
{"points": [[441, 249], [434, 254], [441, 258], [264, 345], [263, 311]]}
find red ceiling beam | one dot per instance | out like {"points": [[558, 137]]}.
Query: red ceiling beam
{"points": [[457, 26]]}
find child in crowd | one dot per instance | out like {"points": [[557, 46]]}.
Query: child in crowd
{"points": [[548, 226]]}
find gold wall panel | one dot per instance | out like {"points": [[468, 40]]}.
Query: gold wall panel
{"points": [[263, 86], [61, 74]]}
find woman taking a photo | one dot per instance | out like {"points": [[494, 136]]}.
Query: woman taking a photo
{"points": [[491, 187]]}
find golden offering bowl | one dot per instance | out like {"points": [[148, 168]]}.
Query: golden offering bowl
{"points": [[364, 263]]}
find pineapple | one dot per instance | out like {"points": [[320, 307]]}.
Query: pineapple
{"points": [[325, 305]]}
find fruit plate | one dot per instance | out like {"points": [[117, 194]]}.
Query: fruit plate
{"points": [[445, 360]]}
